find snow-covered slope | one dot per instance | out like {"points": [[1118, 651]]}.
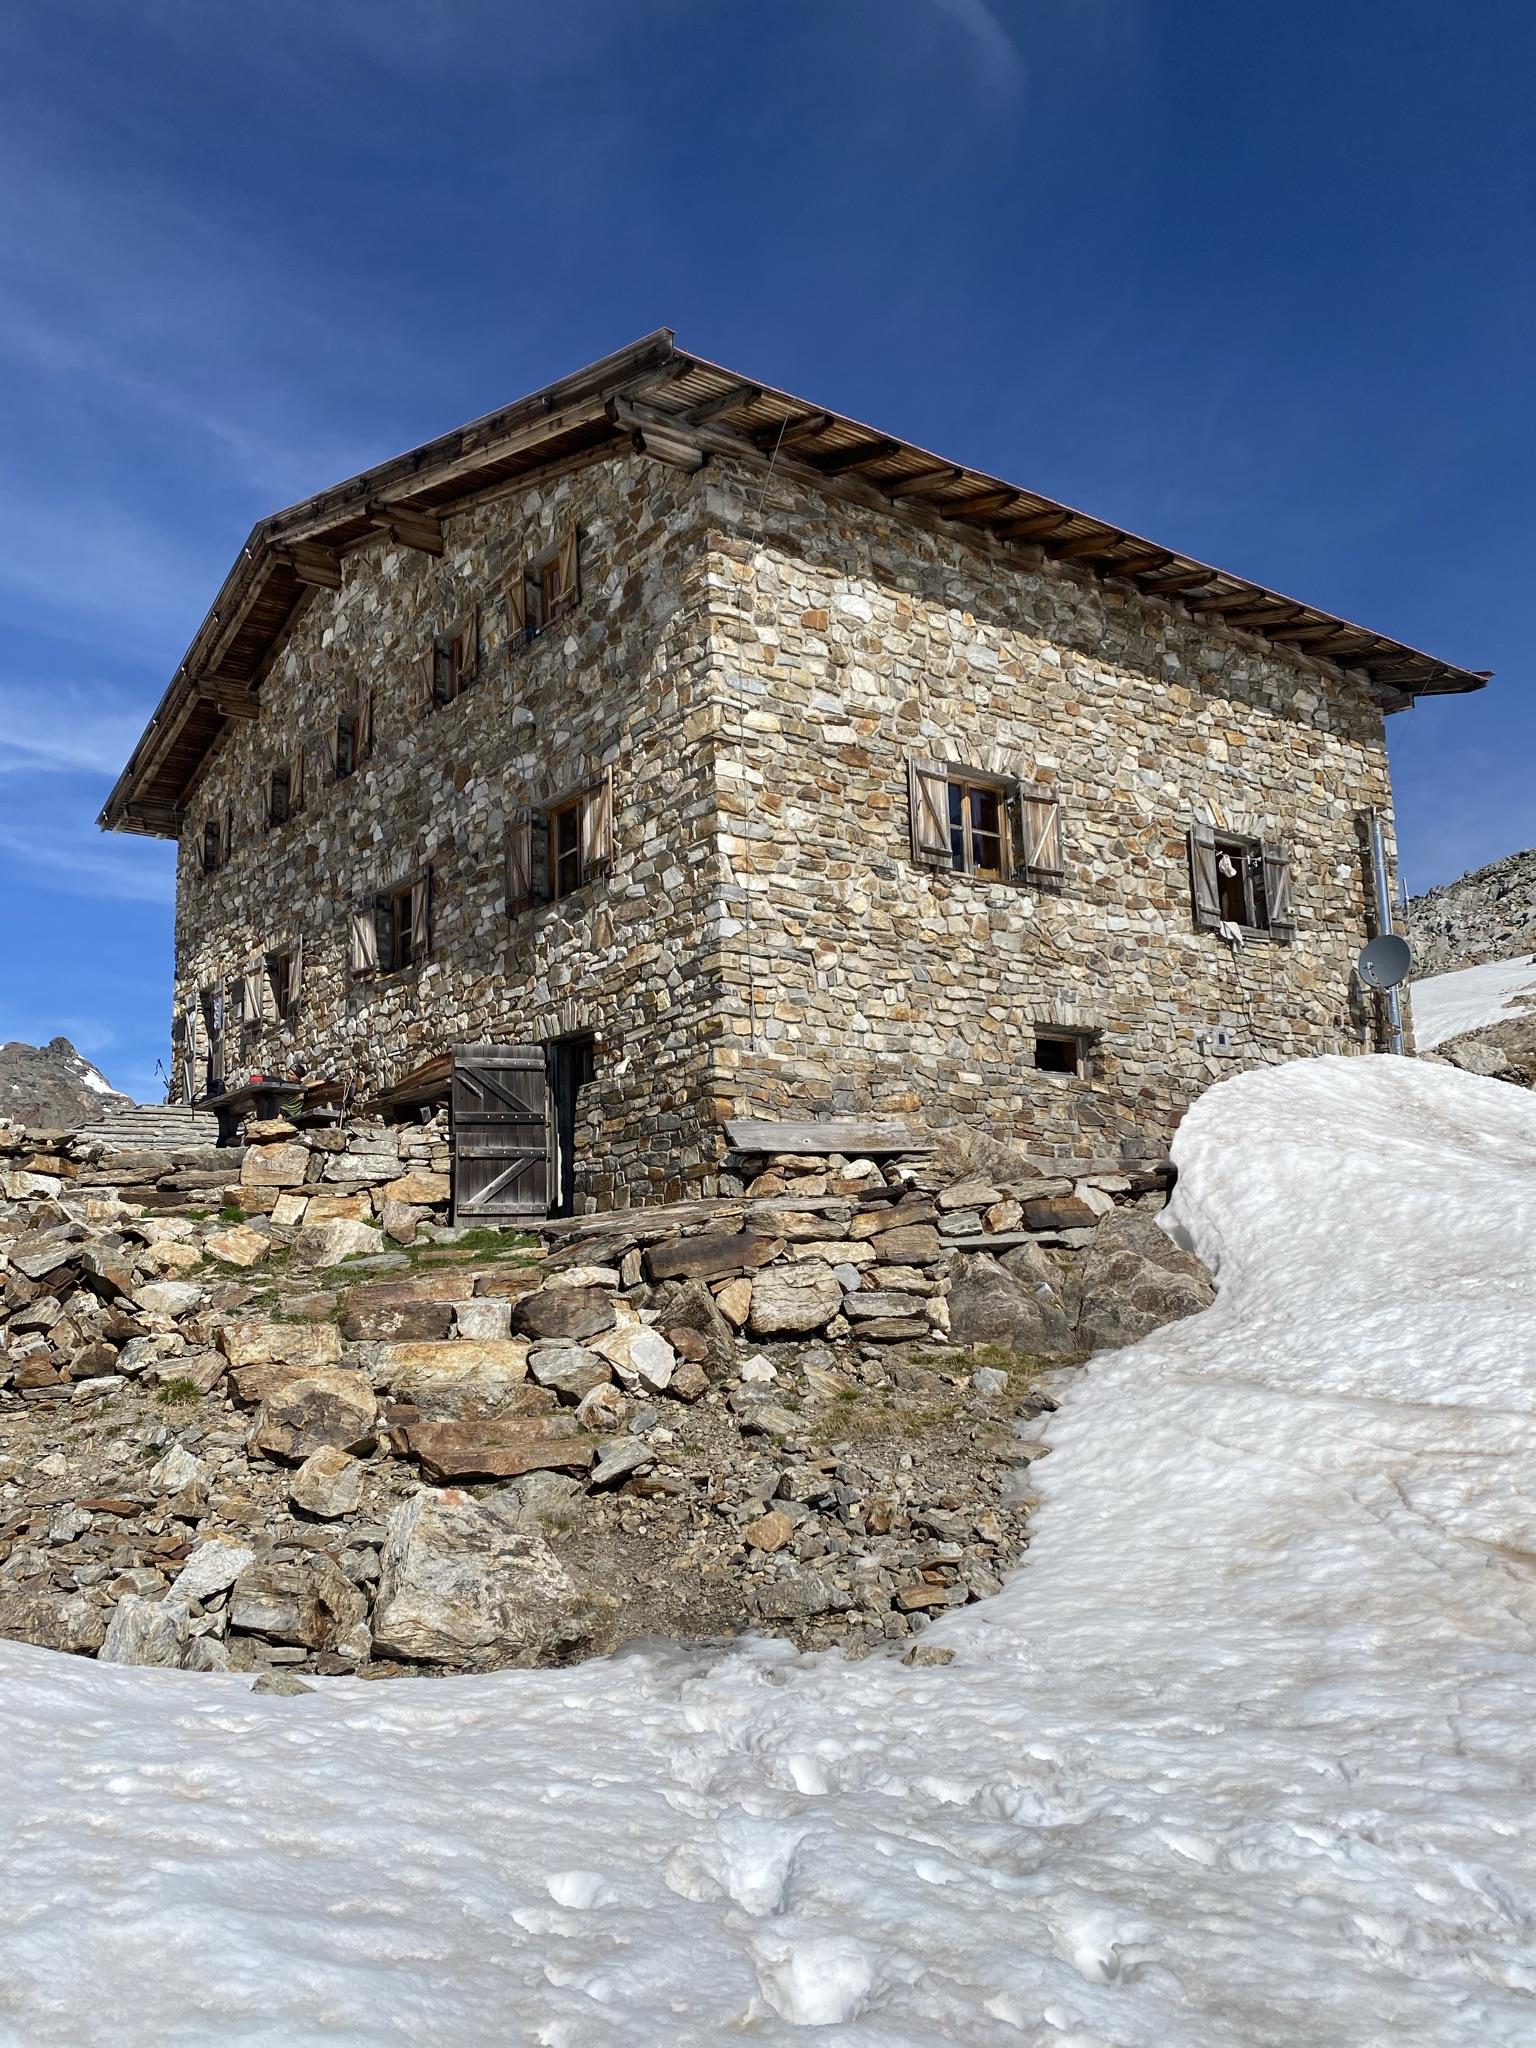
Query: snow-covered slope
{"points": [[1241, 1758], [1471, 998]]}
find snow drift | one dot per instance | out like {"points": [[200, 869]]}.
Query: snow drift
{"points": [[1239, 1757], [1471, 998]]}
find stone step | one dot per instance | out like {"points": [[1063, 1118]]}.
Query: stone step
{"points": [[155, 1127]]}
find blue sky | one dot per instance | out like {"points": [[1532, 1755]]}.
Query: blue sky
{"points": [[1254, 280]]}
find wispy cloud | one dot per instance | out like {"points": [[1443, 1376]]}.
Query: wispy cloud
{"points": [[70, 730], [999, 64], [68, 862]]}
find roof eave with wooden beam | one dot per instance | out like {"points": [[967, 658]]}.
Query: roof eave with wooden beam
{"points": [[679, 409]]}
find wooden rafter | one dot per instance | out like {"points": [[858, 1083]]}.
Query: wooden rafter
{"points": [[918, 483], [727, 401], [860, 456], [980, 508], [1034, 526], [1084, 544], [790, 434]]}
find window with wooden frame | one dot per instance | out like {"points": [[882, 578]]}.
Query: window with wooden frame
{"points": [[555, 850], [996, 828], [544, 590], [213, 846], [1239, 882], [393, 930]]}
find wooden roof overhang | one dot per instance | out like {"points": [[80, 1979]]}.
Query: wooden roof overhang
{"points": [[682, 409]]}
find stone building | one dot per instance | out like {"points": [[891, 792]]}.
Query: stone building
{"points": [[749, 762]]}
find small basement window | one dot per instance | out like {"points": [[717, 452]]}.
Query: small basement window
{"points": [[1061, 1052]]}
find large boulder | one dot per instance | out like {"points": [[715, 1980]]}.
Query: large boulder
{"points": [[260, 1343], [327, 1244], [460, 1582], [313, 1605], [1136, 1279], [1018, 1305], [328, 1408], [145, 1631], [53, 1621], [689, 1305], [458, 1380], [558, 1311], [274, 1166], [789, 1300], [328, 1484]]}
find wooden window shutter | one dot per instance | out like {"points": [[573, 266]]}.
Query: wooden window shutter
{"points": [[188, 1070], [597, 826], [362, 730], [928, 803], [229, 835], [296, 782], [1277, 892], [469, 645], [421, 916], [520, 863], [436, 676], [1204, 882], [527, 860], [1038, 855], [253, 988], [295, 973], [364, 952], [517, 606], [570, 569]]}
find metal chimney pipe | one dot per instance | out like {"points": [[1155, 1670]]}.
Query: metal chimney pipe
{"points": [[1384, 926]]}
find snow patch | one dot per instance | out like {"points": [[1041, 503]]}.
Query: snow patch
{"points": [[1240, 1758], [1469, 998]]}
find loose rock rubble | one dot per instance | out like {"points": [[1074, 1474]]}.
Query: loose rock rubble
{"points": [[260, 1409]]}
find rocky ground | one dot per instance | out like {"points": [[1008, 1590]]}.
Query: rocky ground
{"points": [[275, 1440]]}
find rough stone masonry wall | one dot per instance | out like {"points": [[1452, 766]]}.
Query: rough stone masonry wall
{"points": [[623, 682], [848, 641]]}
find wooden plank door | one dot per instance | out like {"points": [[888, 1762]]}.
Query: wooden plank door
{"points": [[500, 1133]]}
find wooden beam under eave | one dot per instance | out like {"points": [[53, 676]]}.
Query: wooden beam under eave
{"points": [[1034, 526], [1085, 544], [727, 401], [1187, 579], [979, 508], [917, 483], [408, 528], [1140, 565], [789, 432], [1299, 631], [1259, 622], [858, 457], [316, 566]]}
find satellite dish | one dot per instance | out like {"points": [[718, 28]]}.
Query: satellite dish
{"points": [[1385, 961]]}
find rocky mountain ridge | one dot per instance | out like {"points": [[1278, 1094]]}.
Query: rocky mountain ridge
{"points": [[1489, 914], [53, 1087]]}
